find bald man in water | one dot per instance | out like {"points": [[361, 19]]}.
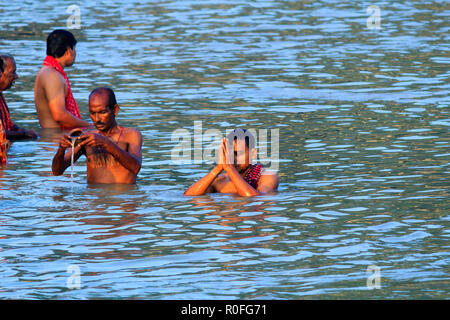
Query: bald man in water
{"points": [[113, 152]]}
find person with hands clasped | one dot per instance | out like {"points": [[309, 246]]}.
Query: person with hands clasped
{"points": [[236, 153]]}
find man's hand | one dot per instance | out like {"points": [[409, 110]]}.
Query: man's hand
{"points": [[224, 156], [62, 159], [94, 140], [65, 142]]}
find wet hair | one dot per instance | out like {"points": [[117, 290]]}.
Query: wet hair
{"points": [[109, 92], [239, 134], [58, 41], [1, 66]]}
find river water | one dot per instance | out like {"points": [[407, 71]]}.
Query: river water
{"points": [[363, 120]]}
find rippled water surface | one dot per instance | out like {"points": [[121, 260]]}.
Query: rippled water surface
{"points": [[363, 120]]}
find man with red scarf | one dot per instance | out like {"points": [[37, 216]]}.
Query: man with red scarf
{"points": [[55, 104], [7, 77]]}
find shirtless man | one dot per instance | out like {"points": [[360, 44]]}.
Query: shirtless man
{"points": [[55, 104], [7, 77], [240, 176], [113, 152]]}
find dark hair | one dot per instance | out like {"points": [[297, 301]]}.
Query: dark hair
{"points": [[4, 57], [58, 41], [111, 96], [238, 134]]}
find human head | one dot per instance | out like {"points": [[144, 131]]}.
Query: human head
{"points": [[103, 108], [8, 74], [61, 45], [243, 146]]}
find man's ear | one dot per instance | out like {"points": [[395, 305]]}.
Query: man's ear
{"points": [[67, 53], [116, 109]]}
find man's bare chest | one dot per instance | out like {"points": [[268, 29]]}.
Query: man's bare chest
{"points": [[224, 185], [99, 157]]}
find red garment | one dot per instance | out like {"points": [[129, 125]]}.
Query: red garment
{"points": [[3, 145], [71, 104], [253, 175], [8, 125]]}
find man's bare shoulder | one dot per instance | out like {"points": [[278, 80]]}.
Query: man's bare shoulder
{"points": [[49, 75], [269, 181], [131, 133], [266, 172], [47, 70]]}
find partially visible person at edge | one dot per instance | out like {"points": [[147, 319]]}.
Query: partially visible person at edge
{"points": [[55, 104], [4, 145], [113, 152], [239, 176], [7, 77]]}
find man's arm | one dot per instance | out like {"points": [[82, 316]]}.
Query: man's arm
{"points": [[19, 133], [54, 90], [242, 187], [267, 183], [205, 184], [130, 159]]}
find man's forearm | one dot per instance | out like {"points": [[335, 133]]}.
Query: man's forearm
{"points": [[15, 134], [18, 133], [242, 187], [58, 163], [68, 120], [125, 159], [203, 184]]}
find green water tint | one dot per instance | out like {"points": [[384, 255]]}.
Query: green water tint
{"points": [[363, 118]]}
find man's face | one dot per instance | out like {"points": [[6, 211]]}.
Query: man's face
{"points": [[241, 156], [72, 55], [9, 74], [102, 116]]}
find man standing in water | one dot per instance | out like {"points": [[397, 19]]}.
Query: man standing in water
{"points": [[55, 104], [240, 175], [113, 152], [7, 77]]}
